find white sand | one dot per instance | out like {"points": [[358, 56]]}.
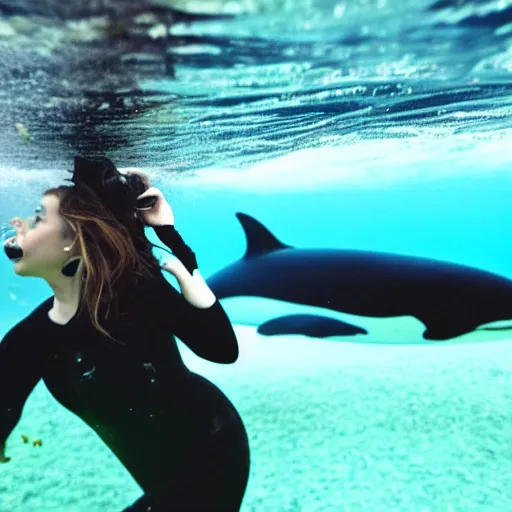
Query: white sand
{"points": [[333, 426]]}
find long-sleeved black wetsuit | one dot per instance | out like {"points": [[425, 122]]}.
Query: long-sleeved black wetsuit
{"points": [[176, 433]]}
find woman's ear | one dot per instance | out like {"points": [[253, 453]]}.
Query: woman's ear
{"points": [[69, 230], [68, 248], [69, 233]]}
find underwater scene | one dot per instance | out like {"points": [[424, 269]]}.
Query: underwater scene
{"points": [[341, 171]]}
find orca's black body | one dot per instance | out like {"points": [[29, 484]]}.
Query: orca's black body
{"points": [[449, 299]]}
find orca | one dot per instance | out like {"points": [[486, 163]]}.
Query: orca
{"points": [[449, 299], [314, 326]]}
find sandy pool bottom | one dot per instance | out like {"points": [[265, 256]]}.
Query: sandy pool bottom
{"points": [[333, 427]]}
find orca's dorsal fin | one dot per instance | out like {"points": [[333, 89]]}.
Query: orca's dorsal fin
{"points": [[259, 239]]}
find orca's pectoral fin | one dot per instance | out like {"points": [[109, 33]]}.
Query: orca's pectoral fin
{"points": [[313, 326]]}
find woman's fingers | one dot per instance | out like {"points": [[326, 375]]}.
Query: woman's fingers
{"points": [[152, 191]]}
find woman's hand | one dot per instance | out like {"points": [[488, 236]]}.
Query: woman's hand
{"points": [[173, 265], [161, 213]]}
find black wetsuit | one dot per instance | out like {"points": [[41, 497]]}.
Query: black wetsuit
{"points": [[175, 432]]}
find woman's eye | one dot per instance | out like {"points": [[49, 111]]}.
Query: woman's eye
{"points": [[36, 220]]}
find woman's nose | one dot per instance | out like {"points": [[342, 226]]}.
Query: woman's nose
{"points": [[18, 223], [21, 226]]}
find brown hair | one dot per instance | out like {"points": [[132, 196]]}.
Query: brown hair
{"points": [[115, 252]]}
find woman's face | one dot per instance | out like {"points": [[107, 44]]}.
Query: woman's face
{"points": [[41, 240]]}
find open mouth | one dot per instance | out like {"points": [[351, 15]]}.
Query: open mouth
{"points": [[11, 248], [13, 251]]}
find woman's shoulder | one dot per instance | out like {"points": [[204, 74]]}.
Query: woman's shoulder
{"points": [[38, 313], [31, 323]]}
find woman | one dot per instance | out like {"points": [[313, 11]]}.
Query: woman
{"points": [[104, 342]]}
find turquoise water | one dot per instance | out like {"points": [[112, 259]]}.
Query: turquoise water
{"points": [[374, 126]]}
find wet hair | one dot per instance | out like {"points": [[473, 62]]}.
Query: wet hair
{"points": [[114, 248]]}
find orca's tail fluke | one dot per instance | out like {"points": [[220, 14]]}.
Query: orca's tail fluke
{"points": [[259, 239]]}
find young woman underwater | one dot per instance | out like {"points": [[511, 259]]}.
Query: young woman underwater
{"points": [[105, 345]]}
